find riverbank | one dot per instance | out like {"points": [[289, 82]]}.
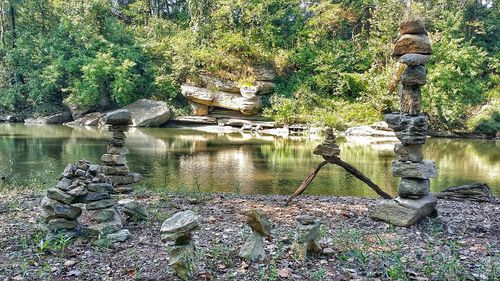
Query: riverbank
{"points": [[462, 243]]}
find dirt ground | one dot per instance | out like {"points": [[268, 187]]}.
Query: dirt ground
{"points": [[461, 244]]}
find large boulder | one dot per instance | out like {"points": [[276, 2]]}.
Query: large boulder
{"points": [[404, 212], [91, 119], [221, 99], [58, 118], [149, 113]]}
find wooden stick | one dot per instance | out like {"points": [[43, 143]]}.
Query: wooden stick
{"points": [[348, 167], [355, 172], [306, 182]]}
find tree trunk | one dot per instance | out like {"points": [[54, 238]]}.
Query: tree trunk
{"points": [[13, 23], [2, 23]]}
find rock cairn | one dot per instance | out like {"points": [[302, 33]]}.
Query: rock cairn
{"points": [[414, 202], [306, 237], [115, 162], [82, 182], [328, 148], [176, 233], [253, 248]]}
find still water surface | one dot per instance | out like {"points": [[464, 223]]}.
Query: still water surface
{"points": [[184, 159]]}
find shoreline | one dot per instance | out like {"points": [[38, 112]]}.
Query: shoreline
{"points": [[461, 243], [303, 132]]}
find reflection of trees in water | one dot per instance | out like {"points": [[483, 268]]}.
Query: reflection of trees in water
{"points": [[174, 158]]}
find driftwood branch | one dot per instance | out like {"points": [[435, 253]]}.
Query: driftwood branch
{"points": [[306, 182], [479, 192], [348, 167]]}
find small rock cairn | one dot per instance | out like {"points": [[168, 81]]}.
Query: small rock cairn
{"points": [[176, 233], [412, 49], [328, 148], [115, 162], [306, 237], [253, 248], [82, 182]]}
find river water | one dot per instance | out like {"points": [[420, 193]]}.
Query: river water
{"points": [[181, 159]]}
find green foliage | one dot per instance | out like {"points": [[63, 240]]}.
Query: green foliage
{"points": [[333, 58]]}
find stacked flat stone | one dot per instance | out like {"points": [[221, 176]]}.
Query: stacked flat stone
{"points": [[328, 148], [253, 248], [410, 125], [115, 162], [306, 237], [82, 182], [176, 233]]}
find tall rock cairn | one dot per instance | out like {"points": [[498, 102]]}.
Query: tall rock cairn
{"points": [[413, 49], [115, 162]]}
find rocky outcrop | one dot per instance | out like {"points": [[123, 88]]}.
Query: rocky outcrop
{"points": [[91, 119], [149, 113], [222, 99], [206, 90], [379, 129], [58, 118]]}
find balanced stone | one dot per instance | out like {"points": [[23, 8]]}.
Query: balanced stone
{"points": [[115, 170], [59, 195], [181, 259], [123, 150], [412, 44], [119, 117], [258, 222], [133, 209], [178, 226], [253, 248], [413, 188], [410, 99], [119, 135], [408, 129], [328, 148], [125, 179], [103, 215], [100, 187], [410, 152], [114, 159], [64, 184], [59, 224], [116, 128], [56, 209], [69, 171], [95, 196], [404, 212], [414, 59], [80, 173], [414, 75], [306, 237], [412, 26], [116, 142], [177, 229], [115, 237], [79, 190], [423, 170], [104, 228], [100, 204]]}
